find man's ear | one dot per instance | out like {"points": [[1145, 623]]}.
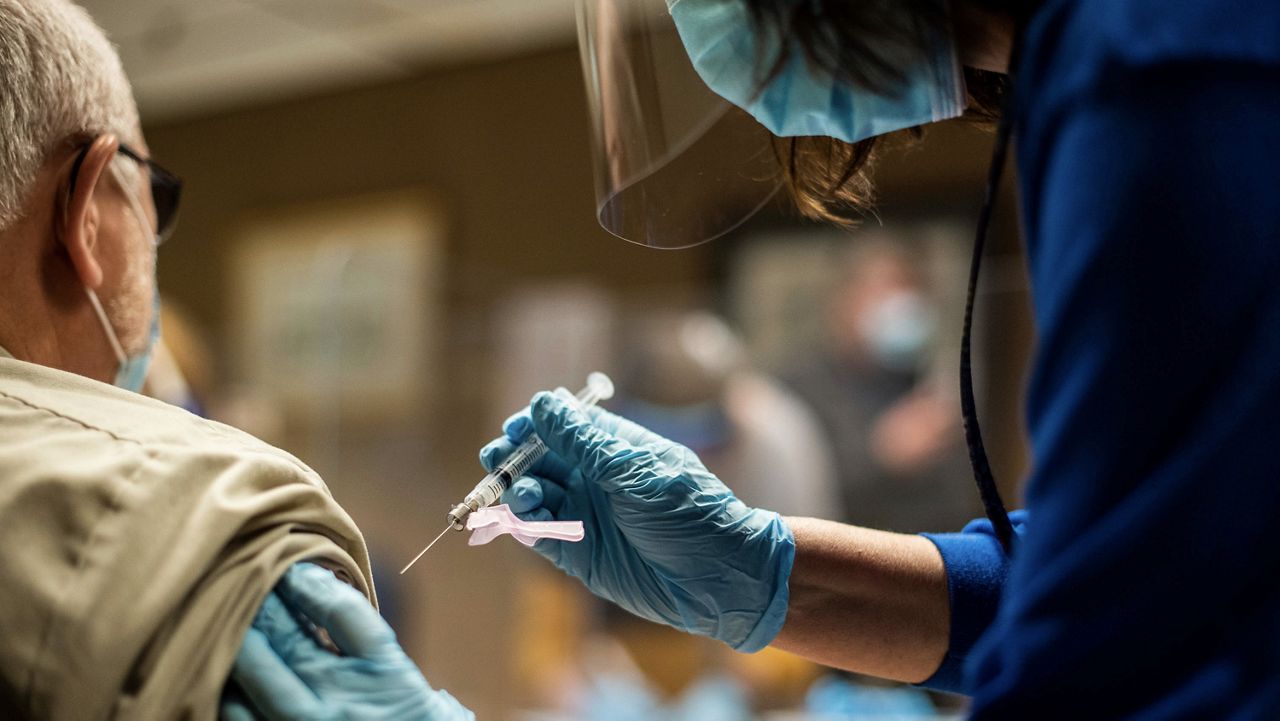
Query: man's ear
{"points": [[81, 219]]}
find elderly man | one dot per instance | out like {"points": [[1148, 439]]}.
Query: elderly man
{"points": [[140, 542]]}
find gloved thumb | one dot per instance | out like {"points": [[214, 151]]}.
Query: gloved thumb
{"points": [[569, 432]]}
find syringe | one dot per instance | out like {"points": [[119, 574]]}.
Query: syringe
{"points": [[490, 488]]}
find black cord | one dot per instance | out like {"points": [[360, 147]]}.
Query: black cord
{"points": [[992, 502]]}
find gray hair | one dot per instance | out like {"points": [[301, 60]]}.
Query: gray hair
{"points": [[60, 81]]}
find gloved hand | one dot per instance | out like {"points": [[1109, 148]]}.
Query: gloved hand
{"points": [[665, 539], [284, 674]]}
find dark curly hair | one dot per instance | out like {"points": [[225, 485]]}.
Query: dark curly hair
{"points": [[865, 43]]}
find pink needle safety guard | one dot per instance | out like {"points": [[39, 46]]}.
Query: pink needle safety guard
{"points": [[487, 524]]}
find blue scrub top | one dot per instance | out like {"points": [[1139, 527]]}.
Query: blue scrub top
{"points": [[1146, 584]]}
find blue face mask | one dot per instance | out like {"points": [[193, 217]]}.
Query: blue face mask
{"points": [[131, 370], [803, 101], [898, 330]]}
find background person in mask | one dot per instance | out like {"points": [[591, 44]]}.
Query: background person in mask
{"points": [[1140, 581], [687, 376], [873, 386]]}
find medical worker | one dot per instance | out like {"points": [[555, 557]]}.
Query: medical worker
{"points": [[1140, 581]]}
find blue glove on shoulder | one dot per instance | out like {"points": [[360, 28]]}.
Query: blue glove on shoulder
{"points": [[282, 673], [665, 539]]}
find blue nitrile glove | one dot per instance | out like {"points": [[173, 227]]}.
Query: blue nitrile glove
{"points": [[284, 674], [665, 539]]}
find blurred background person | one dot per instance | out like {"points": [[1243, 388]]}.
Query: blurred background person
{"points": [[892, 423], [685, 374]]}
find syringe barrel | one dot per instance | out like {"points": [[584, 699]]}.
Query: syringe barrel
{"points": [[490, 488], [598, 388], [486, 492], [521, 459]]}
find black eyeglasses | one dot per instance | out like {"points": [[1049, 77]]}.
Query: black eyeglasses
{"points": [[166, 188]]}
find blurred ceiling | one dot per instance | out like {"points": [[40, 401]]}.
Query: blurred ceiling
{"points": [[191, 57]]}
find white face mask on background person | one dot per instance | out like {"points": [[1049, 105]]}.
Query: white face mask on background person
{"points": [[131, 369], [898, 330]]}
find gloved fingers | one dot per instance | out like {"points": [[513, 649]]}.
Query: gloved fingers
{"points": [[553, 495], [352, 623], [492, 453], [234, 706], [568, 432], [287, 637], [523, 496], [550, 465], [235, 710], [496, 451], [626, 429], [444, 707], [270, 685], [548, 548], [537, 515], [530, 493], [518, 427]]}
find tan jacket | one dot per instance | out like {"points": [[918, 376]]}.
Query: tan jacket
{"points": [[136, 543]]}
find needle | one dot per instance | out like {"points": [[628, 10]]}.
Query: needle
{"points": [[428, 548]]}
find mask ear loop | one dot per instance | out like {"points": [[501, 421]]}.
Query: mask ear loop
{"points": [[116, 348], [992, 502], [135, 205], [136, 208]]}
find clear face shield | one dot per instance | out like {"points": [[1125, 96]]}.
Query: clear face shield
{"points": [[675, 164]]}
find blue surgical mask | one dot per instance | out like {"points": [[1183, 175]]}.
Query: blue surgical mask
{"points": [[131, 370], [898, 330], [804, 101]]}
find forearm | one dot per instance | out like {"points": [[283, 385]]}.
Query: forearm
{"points": [[866, 601]]}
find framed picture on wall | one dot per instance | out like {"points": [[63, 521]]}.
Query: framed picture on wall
{"points": [[338, 304]]}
